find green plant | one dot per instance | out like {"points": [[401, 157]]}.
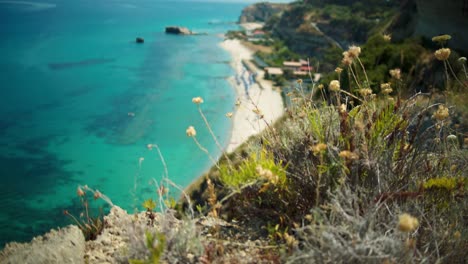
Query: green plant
{"points": [[91, 225], [155, 244]]}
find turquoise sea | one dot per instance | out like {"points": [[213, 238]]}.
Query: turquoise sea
{"points": [[70, 74]]}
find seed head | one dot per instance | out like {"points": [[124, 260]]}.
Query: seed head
{"points": [[347, 59], [80, 192], [354, 51], [387, 37], [197, 100], [365, 92], [191, 132], [462, 59], [395, 73], [97, 195], [149, 146], [338, 70], [441, 38], [299, 81], [386, 88], [441, 114], [442, 54], [320, 147], [334, 86], [348, 155], [407, 223]]}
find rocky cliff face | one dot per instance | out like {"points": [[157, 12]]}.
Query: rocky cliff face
{"points": [[261, 12], [430, 18], [436, 17]]}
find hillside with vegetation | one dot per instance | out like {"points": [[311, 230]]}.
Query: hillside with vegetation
{"points": [[368, 165]]}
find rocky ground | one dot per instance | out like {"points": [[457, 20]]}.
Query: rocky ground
{"points": [[202, 240]]}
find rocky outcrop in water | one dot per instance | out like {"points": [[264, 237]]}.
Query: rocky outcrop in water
{"points": [[66, 245], [178, 30]]}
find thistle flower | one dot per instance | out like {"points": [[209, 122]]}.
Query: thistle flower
{"points": [[387, 37], [365, 92], [348, 155], [386, 88], [197, 100], [354, 51], [338, 70], [407, 223], [320, 147], [442, 54], [441, 114], [441, 38], [395, 73], [334, 86], [191, 132], [80, 192], [229, 115]]}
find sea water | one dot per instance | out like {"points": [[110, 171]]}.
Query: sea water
{"points": [[80, 101]]}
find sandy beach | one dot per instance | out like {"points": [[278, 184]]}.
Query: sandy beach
{"points": [[252, 95]]}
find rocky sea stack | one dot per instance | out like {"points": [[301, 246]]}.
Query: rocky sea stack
{"points": [[178, 30], [140, 40]]}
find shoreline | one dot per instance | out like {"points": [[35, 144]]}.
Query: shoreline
{"points": [[260, 94]]}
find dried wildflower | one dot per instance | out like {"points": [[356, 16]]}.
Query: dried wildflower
{"points": [[386, 88], [342, 108], [238, 103], [338, 70], [299, 81], [346, 154], [197, 100], [229, 115], [407, 223], [334, 86], [149, 146], [442, 54], [347, 60], [441, 38], [462, 59], [268, 174], [354, 51], [257, 111], [387, 37], [442, 113], [191, 132], [320, 86], [395, 73], [365, 92], [97, 195], [80, 192], [320, 147], [452, 137]]}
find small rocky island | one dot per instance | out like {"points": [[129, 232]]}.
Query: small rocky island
{"points": [[178, 30]]}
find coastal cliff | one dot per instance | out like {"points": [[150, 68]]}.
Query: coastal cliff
{"points": [[261, 12]]}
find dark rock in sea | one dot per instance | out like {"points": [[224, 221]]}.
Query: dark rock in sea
{"points": [[178, 30], [140, 40]]}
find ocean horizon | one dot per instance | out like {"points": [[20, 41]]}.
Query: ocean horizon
{"points": [[81, 101]]}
